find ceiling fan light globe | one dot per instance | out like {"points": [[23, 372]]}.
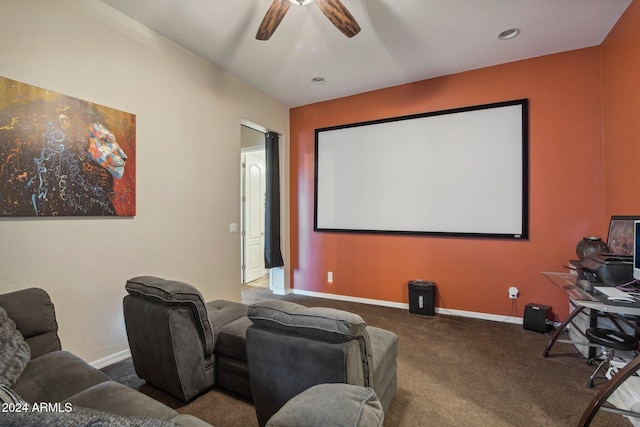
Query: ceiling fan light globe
{"points": [[301, 2]]}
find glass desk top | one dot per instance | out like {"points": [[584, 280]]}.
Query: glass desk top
{"points": [[584, 294]]}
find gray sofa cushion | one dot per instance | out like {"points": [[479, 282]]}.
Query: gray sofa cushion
{"points": [[232, 339], [23, 414], [223, 312], [175, 292], [186, 420], [336, 405], [14, 351], [314, 322], [34, 314], [55, 376], [122, 400], [78, 417]]}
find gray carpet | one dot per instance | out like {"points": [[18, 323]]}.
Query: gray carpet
{"points": [[452, 371]]}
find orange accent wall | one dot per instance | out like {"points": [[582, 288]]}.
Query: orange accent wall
{"points": [[568, 171], [621, 114]]}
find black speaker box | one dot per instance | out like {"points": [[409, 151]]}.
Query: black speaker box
{"points": [[535, 317], [421, 297]]}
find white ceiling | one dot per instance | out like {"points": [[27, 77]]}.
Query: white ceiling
{"points": [[401, 40]]}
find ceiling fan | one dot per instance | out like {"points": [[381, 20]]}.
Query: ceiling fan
{"points": [[332, 9]]}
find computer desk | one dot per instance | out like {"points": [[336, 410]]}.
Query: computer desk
{"points": [[581, 291]]}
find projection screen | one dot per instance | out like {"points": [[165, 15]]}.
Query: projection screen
{"points": [[460, 172]]}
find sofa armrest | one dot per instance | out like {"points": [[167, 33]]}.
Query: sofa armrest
{"points": [[322, 323], [331, 405], [34, 315]]}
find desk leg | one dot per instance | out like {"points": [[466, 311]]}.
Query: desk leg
{"points": [[561, 328], [607, 389]]}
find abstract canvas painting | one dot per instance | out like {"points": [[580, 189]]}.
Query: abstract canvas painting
{"points": [[62, 156]]}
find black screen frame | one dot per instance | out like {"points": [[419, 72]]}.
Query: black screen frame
{"points": [[522, 234]]}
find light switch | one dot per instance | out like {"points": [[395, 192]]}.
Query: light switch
{"points": [[233, 227]]}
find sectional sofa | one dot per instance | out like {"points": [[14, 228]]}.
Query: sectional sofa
{"points": [[42, 385]]}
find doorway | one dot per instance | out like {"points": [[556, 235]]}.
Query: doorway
{"points": [[253, 215], [253, 141]]}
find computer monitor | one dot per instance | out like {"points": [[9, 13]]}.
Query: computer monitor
{"points": [[636, 250], [620, 237]]}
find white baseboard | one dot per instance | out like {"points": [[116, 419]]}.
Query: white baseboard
{"points": [[352, 299], [463, 313], [110, 360], [483, 316]]}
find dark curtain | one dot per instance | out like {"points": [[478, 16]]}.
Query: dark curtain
{"points": [[272, 252]]}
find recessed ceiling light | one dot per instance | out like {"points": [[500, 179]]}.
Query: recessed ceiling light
{"points": [[318, 80], [509, 34]]}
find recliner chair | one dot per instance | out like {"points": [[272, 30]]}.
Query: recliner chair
{"points": [[291, 348], [182, 344]]}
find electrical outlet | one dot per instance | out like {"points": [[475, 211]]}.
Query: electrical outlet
{"points": [[513, 292], [330, 277]]}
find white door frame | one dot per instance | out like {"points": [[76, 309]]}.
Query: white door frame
{"points": [[278, 280]]}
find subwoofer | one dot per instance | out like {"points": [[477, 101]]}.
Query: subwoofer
{"points": [[535, 317]]}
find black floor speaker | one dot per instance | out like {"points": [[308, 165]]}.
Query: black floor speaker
{"points": [[421, 297], [535, 317]]}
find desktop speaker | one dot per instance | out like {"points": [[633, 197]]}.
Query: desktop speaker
{"points": [[535, 317]]}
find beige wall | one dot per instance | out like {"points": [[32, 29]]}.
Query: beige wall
{"points": [[188, 150]]}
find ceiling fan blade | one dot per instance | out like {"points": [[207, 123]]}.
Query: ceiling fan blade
{"points": [[339, 16], [272, 19]]}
